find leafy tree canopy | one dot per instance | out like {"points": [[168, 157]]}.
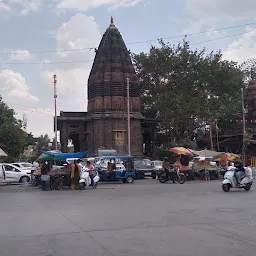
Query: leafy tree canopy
{"points": [[186, 88], [12, 137]]}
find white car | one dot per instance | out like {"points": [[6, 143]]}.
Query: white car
{"points": [[25, 165], [10, 173]]}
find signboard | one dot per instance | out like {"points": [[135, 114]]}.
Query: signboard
{"points": [[119, 137]]}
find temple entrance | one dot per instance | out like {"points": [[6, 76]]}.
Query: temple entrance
{"points": [[75, 141]]}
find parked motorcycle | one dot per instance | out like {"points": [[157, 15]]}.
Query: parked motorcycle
{"points": [[230, 180], [85, 180]]}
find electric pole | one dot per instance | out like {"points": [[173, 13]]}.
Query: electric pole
{"points": [[217, 135], [55, 110], [210, 133], [128, 116], [244, 131]]}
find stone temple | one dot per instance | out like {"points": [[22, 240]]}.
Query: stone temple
{"points": [[104, 125]]}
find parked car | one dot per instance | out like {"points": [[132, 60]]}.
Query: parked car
{"points": [[10, 173], [25, 165], [158, 166], [144, 168]]}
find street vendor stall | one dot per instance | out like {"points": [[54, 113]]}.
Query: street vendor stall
{"points": [[59, 176]]}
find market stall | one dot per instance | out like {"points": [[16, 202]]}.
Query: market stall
{"points": [[59, 175]]}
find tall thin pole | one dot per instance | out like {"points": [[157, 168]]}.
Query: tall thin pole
{"points": [[244, 131], [210, 131], [217, 135], [128, 116], [55, 110]]}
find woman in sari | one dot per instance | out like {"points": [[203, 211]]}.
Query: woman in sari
{"points": [[75, 175]]}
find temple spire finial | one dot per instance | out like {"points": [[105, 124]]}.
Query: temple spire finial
{"points": [[111, 20]]}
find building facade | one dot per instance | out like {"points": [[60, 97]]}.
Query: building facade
{"points": [[104, 125]]}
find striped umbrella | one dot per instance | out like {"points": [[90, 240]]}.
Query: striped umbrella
{"points": [[181, 151]]}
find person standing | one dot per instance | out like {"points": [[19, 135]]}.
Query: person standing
{"points": [[45, 177], [75, 175]]}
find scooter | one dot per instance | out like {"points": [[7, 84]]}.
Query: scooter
{"points": [[85, 180], [230, 180]]}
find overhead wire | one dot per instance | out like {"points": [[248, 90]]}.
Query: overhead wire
{"points": [[81, 61], [31, 109], [137, 42]]}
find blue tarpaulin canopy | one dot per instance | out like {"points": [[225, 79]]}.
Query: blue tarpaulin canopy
{"points": [[64, 156], [118, 157]]}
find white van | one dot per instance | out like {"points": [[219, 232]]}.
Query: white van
{"points": [[10, 173]]}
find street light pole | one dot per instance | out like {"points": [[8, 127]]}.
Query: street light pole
{"points": [[55, 110], [210, 132], [244, 131], [128, 116], [217, 135]]}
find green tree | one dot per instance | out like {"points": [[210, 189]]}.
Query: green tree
{"points": [[12, 137], [186, 88], [43, 142]]}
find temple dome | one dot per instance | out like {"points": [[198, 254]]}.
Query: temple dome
{"points": [[111, 67]]}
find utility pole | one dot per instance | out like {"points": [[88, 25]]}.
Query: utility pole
{"points": [[244, 131], [55, 110], [128, 116], [210, 132], [217, 135]]}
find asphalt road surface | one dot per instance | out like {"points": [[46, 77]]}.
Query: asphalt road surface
{"points": [[142, 219]]}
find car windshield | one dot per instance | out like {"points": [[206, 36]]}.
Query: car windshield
{"points": [[158, 163], [27, 165]]}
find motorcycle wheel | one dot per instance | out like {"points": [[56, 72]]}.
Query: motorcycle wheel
{"points": [[247, 188], [162, 178], [181, 178], [226, 187], [82, 186]]}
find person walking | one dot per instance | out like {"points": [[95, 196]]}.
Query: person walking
{"points": [[75, 175]]}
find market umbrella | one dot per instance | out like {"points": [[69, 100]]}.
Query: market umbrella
{"points": [[2, 153], [228, 157], [206, 153], [181, 151]]}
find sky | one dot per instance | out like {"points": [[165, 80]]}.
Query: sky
{"points": [[40, 38]]}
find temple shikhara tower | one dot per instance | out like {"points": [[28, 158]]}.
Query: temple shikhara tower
{"points": [[104, 125], [107, 96]]}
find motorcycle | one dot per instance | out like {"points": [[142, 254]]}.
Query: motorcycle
{"points": [[177, 175], [85, 180], [230, 180]]}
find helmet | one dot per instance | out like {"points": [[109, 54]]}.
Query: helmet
{"points": [[238, 164]]}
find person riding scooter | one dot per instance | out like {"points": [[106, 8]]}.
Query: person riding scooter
{"points": [[239, 172]]}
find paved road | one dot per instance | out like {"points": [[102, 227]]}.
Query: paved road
{"points": [[143, 219]]}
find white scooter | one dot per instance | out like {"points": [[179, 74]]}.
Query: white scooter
{"points": [[85, 180], [230, 180]]}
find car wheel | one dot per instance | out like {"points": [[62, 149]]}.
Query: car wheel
{"points": [[24, 180], [129, 179]]}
